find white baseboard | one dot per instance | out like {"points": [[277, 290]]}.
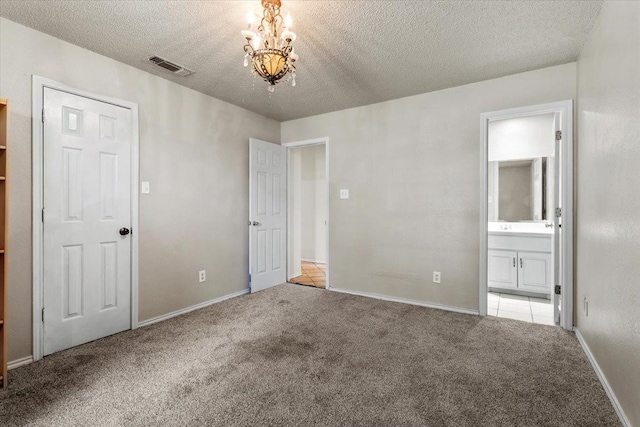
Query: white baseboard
{"points": [[192, 308], [408, 301], [614, 400], [19, 362], [315, 261]]}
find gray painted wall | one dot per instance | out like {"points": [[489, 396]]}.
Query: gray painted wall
{"points": [[608, 200], [412, 166], [314, 203], [193, 150]]}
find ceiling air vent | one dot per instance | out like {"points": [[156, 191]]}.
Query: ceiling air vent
{"points": [[171, 66]]}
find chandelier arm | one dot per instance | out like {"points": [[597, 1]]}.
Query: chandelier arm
{"points": [[249, 50]]}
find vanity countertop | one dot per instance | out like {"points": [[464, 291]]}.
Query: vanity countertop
{"points": [[537, 233], [525, 229]]}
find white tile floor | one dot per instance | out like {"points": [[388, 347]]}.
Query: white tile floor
{"points": [[527, 309]]}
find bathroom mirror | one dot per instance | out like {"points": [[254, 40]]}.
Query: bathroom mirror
{"points": [[519, 190]]}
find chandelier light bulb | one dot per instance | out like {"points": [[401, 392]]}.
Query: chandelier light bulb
{"points": [[256, 42], [251, 18], [288, 21], [246, 60]]}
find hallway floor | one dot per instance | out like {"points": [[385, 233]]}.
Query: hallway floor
{"points": [[517, 307], [313, 274]]}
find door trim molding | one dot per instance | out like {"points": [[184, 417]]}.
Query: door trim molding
{"points": [[565, 108], [308, 142], [37, 164]]}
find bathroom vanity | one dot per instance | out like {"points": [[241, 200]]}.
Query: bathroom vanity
{"points": [[520, 258]]}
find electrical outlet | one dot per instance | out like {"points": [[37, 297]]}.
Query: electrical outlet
{"points": [[344, 193], [436, 277], [202, 276]]}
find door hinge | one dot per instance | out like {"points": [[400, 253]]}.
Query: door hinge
{"points": [[249, 279], [558, 212], [557, 290], [42, 214], [558, 135], [43, 115], [42, 314]]}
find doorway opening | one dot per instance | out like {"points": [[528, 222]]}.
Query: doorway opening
{"points": [[526, 253], [308, 202]]}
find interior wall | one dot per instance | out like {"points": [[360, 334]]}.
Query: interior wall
{"points": [[412, 167], [521, 138], [608, 200], [294, 252], [193, 151], [314, 203]]}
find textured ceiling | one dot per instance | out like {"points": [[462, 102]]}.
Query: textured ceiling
{"points": [[352, 53]]}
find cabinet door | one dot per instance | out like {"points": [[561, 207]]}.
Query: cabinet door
{"points": [[502, 270], [534, 272]]}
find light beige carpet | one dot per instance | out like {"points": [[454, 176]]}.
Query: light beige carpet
{"points": [[300, 356]]}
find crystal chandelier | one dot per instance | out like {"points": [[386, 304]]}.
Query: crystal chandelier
{"points": [[269, 50]]}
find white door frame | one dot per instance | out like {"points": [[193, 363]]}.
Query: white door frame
{"points": [[37, 128], [565, 108], [316, 141]]}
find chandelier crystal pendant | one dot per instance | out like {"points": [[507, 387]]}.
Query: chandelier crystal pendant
{"points": [[269, 49]]}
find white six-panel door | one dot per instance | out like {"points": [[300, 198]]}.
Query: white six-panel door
{"points": [[87, 201], [267, 214]]}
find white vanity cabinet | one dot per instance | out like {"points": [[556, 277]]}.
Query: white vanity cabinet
{"points": [[503, 272], [520, 261]]}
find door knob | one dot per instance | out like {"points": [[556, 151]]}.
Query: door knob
{"points": [[124, 231], [255, 223]]}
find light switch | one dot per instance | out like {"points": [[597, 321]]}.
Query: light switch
{"points": [[344, 193], [145, 187]]}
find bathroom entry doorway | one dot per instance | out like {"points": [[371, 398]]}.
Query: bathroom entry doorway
{"points": [[526, 231], [308, 208]]}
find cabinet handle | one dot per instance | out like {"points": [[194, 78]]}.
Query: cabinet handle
{"points": [[514, 261], [520, 262]]}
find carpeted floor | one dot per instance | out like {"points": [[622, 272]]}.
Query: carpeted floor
{"points": [[300, 356]]}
